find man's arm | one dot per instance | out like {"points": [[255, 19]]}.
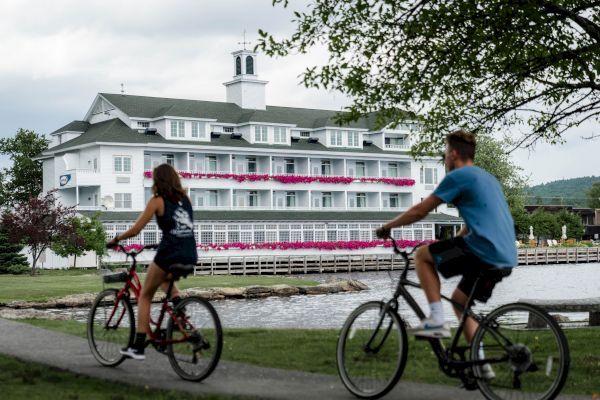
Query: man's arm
{"points": [[413, 214]]}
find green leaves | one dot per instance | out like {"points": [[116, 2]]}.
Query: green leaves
{"points": [[24, 178], [525, 67]]}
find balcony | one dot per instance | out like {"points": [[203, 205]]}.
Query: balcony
{"points": [[79, 177], [397, 146], [324, 209]]}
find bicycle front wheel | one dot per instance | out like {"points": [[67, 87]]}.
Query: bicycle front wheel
{"points": [[533, 348], [371, 350], [197, 330], [110, 327]]}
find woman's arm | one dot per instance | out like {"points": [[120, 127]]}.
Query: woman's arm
{"points": [[151, 208]]}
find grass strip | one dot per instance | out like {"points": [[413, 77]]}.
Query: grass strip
{"points": [[53, 285], [313, 350], [31, 381]]}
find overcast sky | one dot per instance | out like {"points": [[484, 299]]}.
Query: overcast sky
{"points": [[56, 55]]}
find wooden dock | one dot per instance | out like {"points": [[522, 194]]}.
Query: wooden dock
{"points": [[559, 255], [332, 263]]}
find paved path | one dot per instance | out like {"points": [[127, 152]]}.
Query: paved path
{"points": [[72, 353]]}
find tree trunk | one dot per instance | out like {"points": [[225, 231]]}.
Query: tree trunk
{"points": [[75, 261]]}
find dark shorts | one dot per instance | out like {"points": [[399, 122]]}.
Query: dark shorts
{"points": [[164, 261], [452, 257]]}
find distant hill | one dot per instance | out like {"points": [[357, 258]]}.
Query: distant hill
{"points": [[565, 191]]}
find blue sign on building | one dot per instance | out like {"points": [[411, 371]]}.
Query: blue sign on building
{"points": [[64, 179]]}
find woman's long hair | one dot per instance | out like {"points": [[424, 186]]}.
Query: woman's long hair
{"points": [[167, 183]]}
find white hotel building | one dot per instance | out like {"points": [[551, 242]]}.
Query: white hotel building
{"points": [[109, 154]]}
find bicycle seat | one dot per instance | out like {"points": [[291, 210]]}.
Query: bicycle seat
{"points": [[181, 270]]}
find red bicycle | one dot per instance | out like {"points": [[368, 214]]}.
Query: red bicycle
{"points": [[192, 337]]}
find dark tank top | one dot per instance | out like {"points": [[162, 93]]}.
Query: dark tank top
{"points": [[178, 244]]}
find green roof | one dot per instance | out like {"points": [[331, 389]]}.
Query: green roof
{"points": [[156, 107], [262, 216], [75, 126], [116, 131]]}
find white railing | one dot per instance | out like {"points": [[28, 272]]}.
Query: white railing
{"points": [[83, 171], [397, 146], [90, 208], [267, 208]]}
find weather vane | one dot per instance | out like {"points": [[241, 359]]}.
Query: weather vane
{"points": [[244, 43]]}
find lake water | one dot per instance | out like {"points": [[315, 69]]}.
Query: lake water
{"points": [[570, 281]]}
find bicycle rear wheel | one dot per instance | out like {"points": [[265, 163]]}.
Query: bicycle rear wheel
{"points": [[110, 327], [195, 358], [371, 350], [535, 349]]}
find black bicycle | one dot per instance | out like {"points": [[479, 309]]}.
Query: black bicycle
{"points": [[524, 347]]}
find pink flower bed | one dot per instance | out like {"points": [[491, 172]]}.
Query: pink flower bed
{"points": [[290, 179], [342, 245]]}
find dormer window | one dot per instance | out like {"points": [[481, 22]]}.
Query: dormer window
{"points": [[177, 128], [279, 135], [143, 124], [305, 134], [260, 134], [336, 138], [353, 139], [198, 130], [228, 129]]}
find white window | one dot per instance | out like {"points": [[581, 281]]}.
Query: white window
{"points": [[290, 199], [228, 129], [393, 170], [353, 139], [361, 200], [429, 176], [122, 163], [143, 124], [279, 135], [251, 164], [336, 138], [305, 134], [213, 198], [260, 134], [168, 159], [393, 200], [177, 128], [211, 163], [253, 198], [360, 168], [325, 167], [147, 162], [122, 200], [326, 199], [290, 166], [198, 129]]}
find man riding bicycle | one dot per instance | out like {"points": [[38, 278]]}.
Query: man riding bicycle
{"points": [[485, 244]]}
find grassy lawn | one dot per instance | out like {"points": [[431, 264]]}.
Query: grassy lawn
{"points": [[52, 284], [314, 351], [29, 381]]}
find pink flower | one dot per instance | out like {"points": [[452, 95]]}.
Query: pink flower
{"points": [[290, 179]]}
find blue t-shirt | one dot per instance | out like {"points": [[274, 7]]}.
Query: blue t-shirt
{"points": [[481, 203]]}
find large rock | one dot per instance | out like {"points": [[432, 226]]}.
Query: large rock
{"points": [[253, 292], [284, 290]]}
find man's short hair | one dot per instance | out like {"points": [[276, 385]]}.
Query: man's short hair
{"points": [[463, 142]]}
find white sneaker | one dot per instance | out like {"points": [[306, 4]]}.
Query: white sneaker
{"points": [[486, 372], [428, 328], [133, 353]]}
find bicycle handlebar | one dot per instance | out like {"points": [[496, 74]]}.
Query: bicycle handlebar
{"points": [[133, 251]]}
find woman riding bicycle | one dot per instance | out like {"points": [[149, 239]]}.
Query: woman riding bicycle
{"points": [[173, 210]]}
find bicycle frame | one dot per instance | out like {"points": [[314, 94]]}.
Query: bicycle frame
{"points": [[133, 284], [449, 365]]}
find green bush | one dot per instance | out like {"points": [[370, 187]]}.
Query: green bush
{"points": [[14, 269]]}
